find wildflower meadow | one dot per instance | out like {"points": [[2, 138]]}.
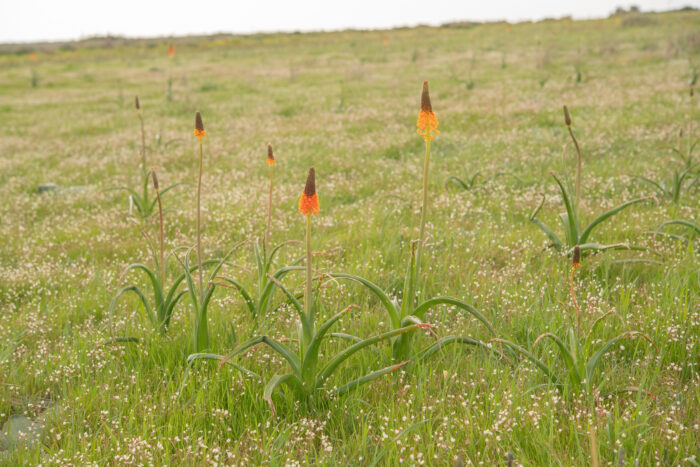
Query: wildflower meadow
{"points": [[473, 244]]}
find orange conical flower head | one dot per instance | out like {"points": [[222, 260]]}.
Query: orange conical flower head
{"points": [[427, 121], [270, 157], [171, 50], [199, 126], [32, 56], [308, 202]]}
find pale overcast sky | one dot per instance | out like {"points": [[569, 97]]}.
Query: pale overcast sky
{"points": [[34, 20]]}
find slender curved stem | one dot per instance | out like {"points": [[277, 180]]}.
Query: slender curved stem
{"points": [[162, 237], [424, 209], [199, 216], [573, 299], [309, 274], [578, 169], [269, 210]]}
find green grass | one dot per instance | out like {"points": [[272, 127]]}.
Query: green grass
{"points": [[346, 103]]}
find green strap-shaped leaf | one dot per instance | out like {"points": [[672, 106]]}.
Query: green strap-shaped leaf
{"points": [[149, 312], [244, 293], [274, 251], [593, 362], [268, 290], [383, 297], [183, 276], [425, 354], [571, 219], [278, 347], [530, 357], [155, 283], [586, 233], [409, 288], [356, 383], [190, 282], [171, 307], [345, 354], [461, 183], [684, 223], [599, 247], [342, 335], [550, 234], [663, 191], [569, 359], [275, 382], [221, 359], [308, 368], [426, 305], [163, 192]]}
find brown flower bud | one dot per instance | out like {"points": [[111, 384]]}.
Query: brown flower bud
{"points": [[576, 260], [310, 188], [567, 117], [136, 103], [270, 155], [425, 98], [155, 178], [198, 124]]}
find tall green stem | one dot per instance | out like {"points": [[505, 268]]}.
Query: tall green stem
{"points": [[424, 209], [269, 212], [308, 299], [162, 237], [199, 219], [578, 169], [143, 159]]}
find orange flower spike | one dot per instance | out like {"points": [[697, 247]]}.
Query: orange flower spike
{"points": [[199, 127], [427, 121], [171, 51], [308, 202], [270, 157]]}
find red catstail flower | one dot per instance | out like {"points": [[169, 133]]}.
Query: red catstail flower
{"points": [[308, 202], [427, 121]]}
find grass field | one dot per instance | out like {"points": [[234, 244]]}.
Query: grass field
{"points": [[346, 103]]}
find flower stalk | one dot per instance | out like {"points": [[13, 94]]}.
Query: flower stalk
{"points": [[199, 133], [270, 162], [308, 205], [567, 120], [575, 264], [160, 215], [427, 127]]}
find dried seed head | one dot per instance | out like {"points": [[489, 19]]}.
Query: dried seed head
{"points": [[576, 260], [198, 125], [680, 133], [509, 459], [270, 155], [567, 117], [310, 188], [137, 103], [155, 178], [425, 98], [692, 91]]}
